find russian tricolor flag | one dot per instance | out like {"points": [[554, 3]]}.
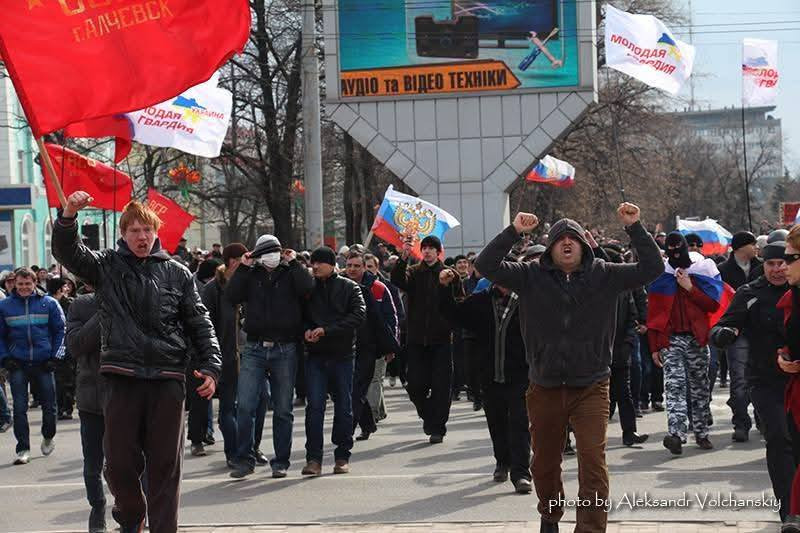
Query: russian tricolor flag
{"points": [[401, 215], [716, 239], [553, 171], [705, 276]]}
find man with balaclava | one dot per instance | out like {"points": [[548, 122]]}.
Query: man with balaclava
{"points": [[678, 331], [274, 286]]}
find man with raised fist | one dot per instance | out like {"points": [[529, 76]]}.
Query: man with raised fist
{"points": [[567, 311], [149, 312]]}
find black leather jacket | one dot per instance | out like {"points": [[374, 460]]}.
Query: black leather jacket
{"points": [[83, 342], [149, 309], [337, 306]]}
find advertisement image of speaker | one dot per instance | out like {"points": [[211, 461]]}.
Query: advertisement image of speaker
{"points": [[448, 38]]}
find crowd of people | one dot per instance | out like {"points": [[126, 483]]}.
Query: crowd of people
{"points": [[548, 333]]}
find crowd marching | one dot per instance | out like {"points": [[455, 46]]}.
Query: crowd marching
{"points": [[549, 331]]}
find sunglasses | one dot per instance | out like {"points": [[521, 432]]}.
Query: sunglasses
{"points": [[790, 258]]}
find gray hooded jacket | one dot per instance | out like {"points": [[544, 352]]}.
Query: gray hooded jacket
{"points": [[568, 322]]}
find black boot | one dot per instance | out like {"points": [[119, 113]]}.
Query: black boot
{"points": [[629, 439], [97, 520], [548, 527]]}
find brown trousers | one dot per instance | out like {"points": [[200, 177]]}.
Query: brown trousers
{"points": [[144, 435], [586, 409]]}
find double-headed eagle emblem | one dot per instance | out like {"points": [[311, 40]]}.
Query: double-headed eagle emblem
{"points": [[415, 221]]}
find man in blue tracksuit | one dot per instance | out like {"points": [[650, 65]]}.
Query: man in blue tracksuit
{"points": [[31, 337]]}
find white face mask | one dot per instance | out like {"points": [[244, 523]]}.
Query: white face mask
{"points": [[270, 260]]}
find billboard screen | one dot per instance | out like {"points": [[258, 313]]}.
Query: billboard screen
{"points": [[390, 48]]}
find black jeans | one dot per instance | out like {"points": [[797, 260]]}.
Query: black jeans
{"points": [[65, 385], [92, 431], [782, 459], [620, 393], [144, 422], [430, 377], [507, 418], [652, 383], [474, 350], [459, 378]]}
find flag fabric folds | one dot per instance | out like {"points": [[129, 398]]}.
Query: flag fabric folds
{"points": [[110, 188], [174, 219], [706, 277], [641, 46], [760, 73], [78, 60], [196, 121], [401, 215], [716, 239], [116, 126], [553, 172]]}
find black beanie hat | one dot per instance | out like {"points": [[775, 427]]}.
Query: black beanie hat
{"points": [[773, 250], [694, 238], [207, 269], [323, 254], [433, 242], [743, 238]]}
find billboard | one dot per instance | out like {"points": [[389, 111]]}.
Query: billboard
{"points": [[391, 48]]}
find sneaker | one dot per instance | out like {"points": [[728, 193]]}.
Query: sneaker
{"points": [[48, 446], [740, 435], [23, 457], [341, 467], [658, 406], [198, 450], [673, 444], [523, 486], [704, 444], [392, 381], [241, 470], [261, 458], [500, 474], [97, 520], [209, 439], [5, 427], [436, 439], [791, 524], [279, 473], [312, 468]]}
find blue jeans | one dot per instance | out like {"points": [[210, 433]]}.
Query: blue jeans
{"points": [[337, 373], [19, 381], [227, 416], [278, 364], [5, 413]]}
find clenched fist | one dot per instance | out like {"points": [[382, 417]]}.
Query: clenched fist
{"points": [[628, 213], [446, 277], [525, 222], [77, 201]]}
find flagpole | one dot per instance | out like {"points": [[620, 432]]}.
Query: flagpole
{"points": [[105, 229], [615, 140], [746, 173], [51, 171]]}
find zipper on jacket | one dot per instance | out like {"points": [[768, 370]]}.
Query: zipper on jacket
{"points": [[30, 336]]}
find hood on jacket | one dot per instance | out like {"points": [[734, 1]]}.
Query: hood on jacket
{"points": [[560, 228], [678, 258], [156, 252]]}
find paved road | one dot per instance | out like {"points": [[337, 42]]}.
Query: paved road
{"points": [[397, 477]]}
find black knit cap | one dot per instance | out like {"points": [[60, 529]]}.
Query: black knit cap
{"points": [[431, 241], [773, 250], [207, 269], [323, 254], [743, 238]]}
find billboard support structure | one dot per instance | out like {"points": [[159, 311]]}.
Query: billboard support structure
{"points": [[459, 131]]}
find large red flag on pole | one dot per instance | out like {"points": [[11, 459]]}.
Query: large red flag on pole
{"points": [[174, 219], [81, 59], [110, 188], [117, 126]]}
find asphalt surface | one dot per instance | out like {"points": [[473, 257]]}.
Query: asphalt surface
{"points": [[397, 477]]}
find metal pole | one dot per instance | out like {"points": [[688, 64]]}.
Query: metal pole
{"points": [[312, 151], [746, 173]]}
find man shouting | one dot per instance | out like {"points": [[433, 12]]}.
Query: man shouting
{"points": [[149, 312], [567, 313]]}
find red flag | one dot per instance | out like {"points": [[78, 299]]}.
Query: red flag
{"points": [[117, 126], [174, 219], [110, 188], [80, 59]]}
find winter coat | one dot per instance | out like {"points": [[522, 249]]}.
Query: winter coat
{"points": [[336, 305], [149, 309], [83, 342], [31, 328], [734, 276], [274, 300], [425, 324], [568, 321], [225, 317]]}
